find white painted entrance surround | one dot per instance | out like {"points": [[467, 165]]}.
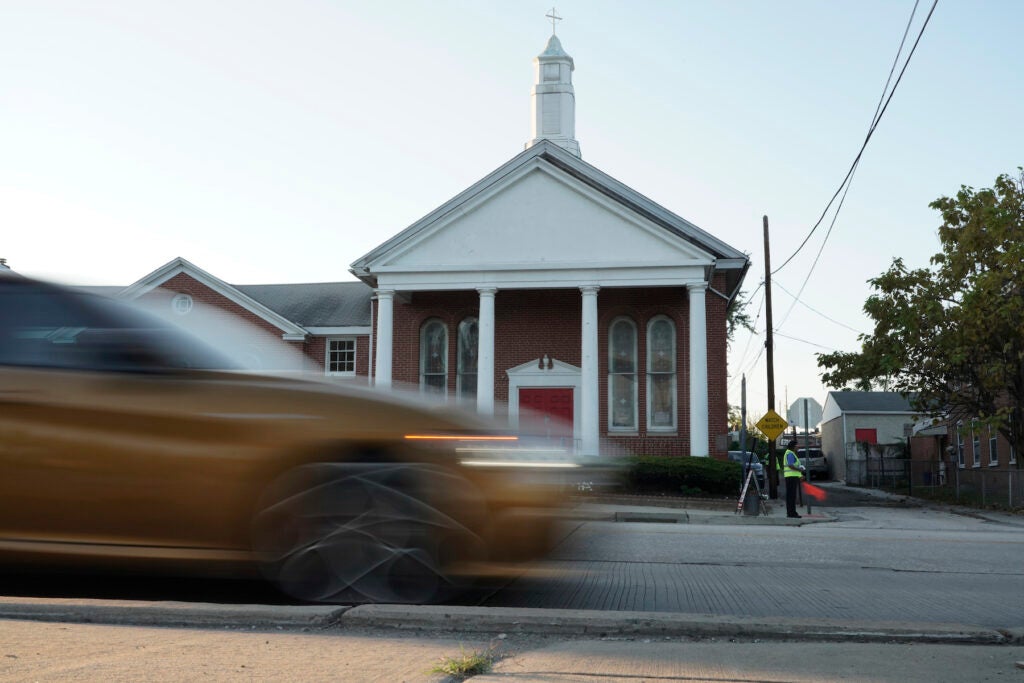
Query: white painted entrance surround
{"points": [[548, 220]]}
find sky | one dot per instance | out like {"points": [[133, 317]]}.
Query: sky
{"points": [[271, 142]]}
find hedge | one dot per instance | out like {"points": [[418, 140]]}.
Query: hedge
{"points": [[681, 475]]}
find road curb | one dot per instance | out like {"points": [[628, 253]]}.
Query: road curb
{"points": [[433, 618], [602, 624], [169, 613]]}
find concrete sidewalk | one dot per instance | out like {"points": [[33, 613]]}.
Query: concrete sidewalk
{"points": [[687, 511]]}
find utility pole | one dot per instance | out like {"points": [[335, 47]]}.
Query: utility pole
{"points": [[773, 466]]}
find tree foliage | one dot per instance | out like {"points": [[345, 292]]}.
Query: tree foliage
{"points": [[737, 317], [951, 336]]}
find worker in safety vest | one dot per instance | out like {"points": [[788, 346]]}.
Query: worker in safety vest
{"points": [[793, 473]]}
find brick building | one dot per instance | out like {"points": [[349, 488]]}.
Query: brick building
{"points": [[547, 285]]}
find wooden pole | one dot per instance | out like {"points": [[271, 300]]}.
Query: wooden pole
{"points": [[773, 464]]}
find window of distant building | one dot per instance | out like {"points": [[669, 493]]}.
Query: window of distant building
{"points": [[1013, 449], [976, 443], [469, 345], [341, 356], [622, 362], [993, 446], [661, 375], [434, 358], [960, 459]]}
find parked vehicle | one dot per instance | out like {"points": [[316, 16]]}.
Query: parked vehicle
{"points": [[125, 443], [815, 462], [752, 460]]}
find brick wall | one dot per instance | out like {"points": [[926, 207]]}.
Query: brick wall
{"points": [[267, 336], [532, 323]]}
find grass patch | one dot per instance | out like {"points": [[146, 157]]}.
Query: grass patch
{"points": [[466, 664]]}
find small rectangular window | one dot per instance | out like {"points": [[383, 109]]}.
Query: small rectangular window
{"points": [[341, 356], [993, 447], [976, 445], [961, 461]]}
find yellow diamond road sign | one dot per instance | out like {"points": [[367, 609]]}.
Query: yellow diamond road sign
{"points": [[772, 425]]}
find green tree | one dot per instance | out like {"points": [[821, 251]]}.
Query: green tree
{"points": [[737, 317], [951, 336]]}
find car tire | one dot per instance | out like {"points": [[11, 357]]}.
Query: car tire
{"points": [[368, 532]]}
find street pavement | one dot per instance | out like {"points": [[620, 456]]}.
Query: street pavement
{"points": [[85, 639], [533, 620]]}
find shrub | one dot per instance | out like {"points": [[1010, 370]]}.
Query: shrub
{"points": [[681, 475]]}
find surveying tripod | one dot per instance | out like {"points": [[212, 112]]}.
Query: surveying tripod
{"points": [[762, 506]]}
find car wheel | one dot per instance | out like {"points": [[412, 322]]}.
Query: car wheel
{"points": [[374, 532]]}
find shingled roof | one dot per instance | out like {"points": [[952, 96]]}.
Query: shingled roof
{"points": [[323, 304], [871, 402]]}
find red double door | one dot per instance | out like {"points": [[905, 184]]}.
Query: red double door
{"points": [[547, 412]]}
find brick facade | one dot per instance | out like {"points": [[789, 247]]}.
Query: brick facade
{"points": [[261, 335], [530, 324]]}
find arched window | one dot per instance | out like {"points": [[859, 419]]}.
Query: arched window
{"points": [[469, 345], [434, 358], [661, 375], [622, 362]]}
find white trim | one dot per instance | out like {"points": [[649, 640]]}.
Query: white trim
{"points": [[530, 376], [345, 330], [178, 266], [525, 277], [327, 356]]}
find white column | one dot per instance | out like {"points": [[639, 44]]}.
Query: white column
{"points": [[485, 353], [590, 415], [385, 337], [698, 371]]}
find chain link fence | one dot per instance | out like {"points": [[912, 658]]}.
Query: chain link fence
{"points": [[884, 466]]}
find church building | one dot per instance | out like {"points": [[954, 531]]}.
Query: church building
{"points": [[548, 288], [550, 285]]}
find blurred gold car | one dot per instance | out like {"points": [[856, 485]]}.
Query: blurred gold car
{"points": [[126, 443]]}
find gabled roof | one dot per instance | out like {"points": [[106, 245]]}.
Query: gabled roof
{"points": [[179, 265], [324, 304], [871, 402], [296, 309], [720, 256]]}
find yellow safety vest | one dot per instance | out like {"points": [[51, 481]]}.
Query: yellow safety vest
{"points": [[791, 471]]}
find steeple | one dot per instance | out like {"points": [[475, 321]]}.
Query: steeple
{"points": [[553, 99]]}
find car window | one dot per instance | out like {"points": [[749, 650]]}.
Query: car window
{"points": [[44, 326]]}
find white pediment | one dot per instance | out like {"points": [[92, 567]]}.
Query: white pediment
{"points": [[547, 219], [542, 218]]}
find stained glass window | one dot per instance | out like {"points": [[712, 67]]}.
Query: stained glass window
{"points": [[434, 357], [622, 361], [469, 346], [661, 374]]}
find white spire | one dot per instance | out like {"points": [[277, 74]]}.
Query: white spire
{"points": [[554, 100]]}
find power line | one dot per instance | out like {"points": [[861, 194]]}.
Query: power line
{"points": [[807, 306], [753, 333], [874, 124], [804, 341]]}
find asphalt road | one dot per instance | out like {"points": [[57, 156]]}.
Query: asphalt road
{"points": [[879, 560]]}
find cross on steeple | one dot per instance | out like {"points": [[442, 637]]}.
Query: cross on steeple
{"points": [[553, 17]]}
